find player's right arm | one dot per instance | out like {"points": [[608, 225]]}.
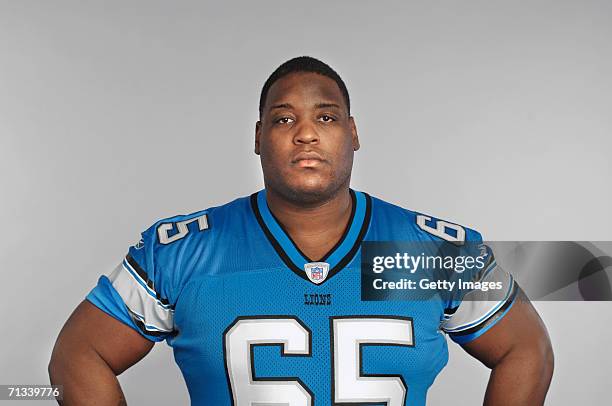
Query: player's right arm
{"points": [[116, 326], [91, 350]]}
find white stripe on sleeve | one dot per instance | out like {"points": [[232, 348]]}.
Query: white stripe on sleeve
{"points": [[478, 305], [139, 301]]}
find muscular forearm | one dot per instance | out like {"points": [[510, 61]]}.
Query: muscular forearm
{"points": [[86, 379], [522, 378]]}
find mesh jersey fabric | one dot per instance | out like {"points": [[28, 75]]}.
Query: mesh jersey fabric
{"points": [[225, 288]]}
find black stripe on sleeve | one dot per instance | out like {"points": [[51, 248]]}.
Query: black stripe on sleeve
{"points": [[493, 318], [145, 278], [143, 328]]}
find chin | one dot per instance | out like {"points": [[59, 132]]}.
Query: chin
{"points": [[308, 188], [313, 191]]}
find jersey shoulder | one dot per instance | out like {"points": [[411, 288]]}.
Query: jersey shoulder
{"points": [[411, 225], [143, 289], [182, 239]]}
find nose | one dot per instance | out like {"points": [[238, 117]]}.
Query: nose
{"points": [[306, 133]]}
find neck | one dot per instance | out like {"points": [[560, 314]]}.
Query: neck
{"points": [[317, 227]]}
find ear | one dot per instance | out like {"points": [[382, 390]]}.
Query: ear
{"points": [[257, 134], [354, 135]]}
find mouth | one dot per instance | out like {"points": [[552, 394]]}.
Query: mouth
{"points": [[307, 160], [308, 163]]}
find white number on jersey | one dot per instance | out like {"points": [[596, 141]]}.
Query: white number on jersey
{"points": [[181, 226], [349, 335], [294, 339], [440, 229]]}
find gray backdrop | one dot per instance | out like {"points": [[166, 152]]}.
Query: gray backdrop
{"points": [[495, 115]]}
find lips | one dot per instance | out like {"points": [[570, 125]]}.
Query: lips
{"points": [[307, 156], [307, 159]]}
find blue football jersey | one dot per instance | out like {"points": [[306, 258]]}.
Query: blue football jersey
{"points": [[253, 321]]}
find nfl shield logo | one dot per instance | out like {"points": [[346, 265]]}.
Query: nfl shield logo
{"points": [[316, 271]]}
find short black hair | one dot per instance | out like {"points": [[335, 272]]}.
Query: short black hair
{"points": [[303, 64]]}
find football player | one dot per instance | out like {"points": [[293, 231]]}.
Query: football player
{"points": [[260, 298]]}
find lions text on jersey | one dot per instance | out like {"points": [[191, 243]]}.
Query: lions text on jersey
{"points": [[253, 321]]}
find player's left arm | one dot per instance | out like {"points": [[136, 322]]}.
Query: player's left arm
{"points": [[520, 355]]}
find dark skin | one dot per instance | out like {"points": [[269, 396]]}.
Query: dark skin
{"points": [[519, 353], [306, 139], [91, 351]]}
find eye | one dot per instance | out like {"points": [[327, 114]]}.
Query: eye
{"points": [[327, 118], [284, 120]]}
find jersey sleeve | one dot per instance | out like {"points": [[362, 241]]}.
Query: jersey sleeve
{"points": [[136, 293], [471, 311]]}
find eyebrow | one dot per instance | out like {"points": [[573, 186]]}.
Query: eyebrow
{"points": [[326, 106], [317, 106], [281, 106]]}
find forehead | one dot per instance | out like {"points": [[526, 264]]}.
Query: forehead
{"points": [[304, 89]]}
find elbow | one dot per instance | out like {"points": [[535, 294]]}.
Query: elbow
{"points": [[50, 372], [60, 363], [537, 360], [54, 369], [547, 357]]}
